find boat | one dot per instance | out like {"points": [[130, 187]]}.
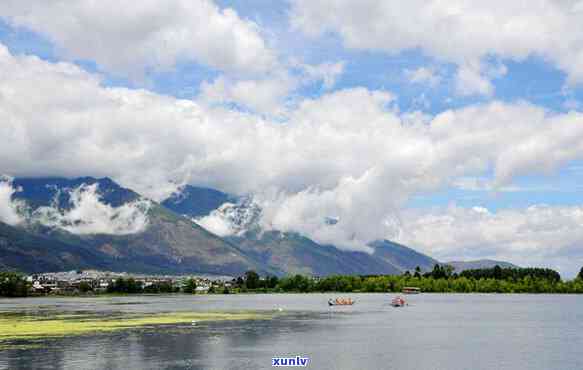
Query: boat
{"points": [[341, 302], [411, 290], [398, 301]]}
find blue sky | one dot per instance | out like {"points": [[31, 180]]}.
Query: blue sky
{"points": [[289, 64], [532, 80]]}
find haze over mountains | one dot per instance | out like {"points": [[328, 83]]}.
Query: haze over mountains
{"points": [[53, 224]]}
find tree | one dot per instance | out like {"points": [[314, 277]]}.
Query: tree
{"points": [[251, 279], [13, 284], [85, 287], [497, 272], [580, 275], [239, 282], [417, 272], [190, 286], [271, 282], [121, 285]]}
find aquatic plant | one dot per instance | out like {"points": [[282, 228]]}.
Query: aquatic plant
{"points": [[15, 326]]}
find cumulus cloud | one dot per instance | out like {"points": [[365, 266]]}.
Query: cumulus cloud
{"points": [[10, 209], [265, 95], [423, 75], [132, 37], [476, 78], [470, 81], [270, 94], [348, 154], [328, 73], [89, 215], [455, 31], [538, 235]]}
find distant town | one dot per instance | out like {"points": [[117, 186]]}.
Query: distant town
{"points": [[94, 281]]}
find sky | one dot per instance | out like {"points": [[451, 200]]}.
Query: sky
{"points": [[453, 127]]}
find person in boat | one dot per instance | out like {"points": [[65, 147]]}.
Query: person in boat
{"points": [[398, 302]]}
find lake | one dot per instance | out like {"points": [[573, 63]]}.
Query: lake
{"points": [[436, 331]]}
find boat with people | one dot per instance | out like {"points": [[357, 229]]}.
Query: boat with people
{"points": [[411, 290], [341, 302], [398, 301]]}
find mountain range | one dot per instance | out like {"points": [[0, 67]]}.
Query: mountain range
{"points": [[86, 222]]}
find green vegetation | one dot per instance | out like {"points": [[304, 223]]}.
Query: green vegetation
{"points": [[13, 284], [121, 285], [189, 286], [131, 286], [441, 279], [513, 274], [15, 326]]}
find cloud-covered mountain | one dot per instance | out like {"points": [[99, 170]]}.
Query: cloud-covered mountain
{"points": [[196, 202], [101, 218], [59, 223], [239, 220], [82, 206], [340, 118]]}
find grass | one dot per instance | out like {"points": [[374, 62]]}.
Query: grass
{"points": [[15, 326]]}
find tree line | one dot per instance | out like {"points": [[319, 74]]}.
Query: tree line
{"points": [[442, 279]]}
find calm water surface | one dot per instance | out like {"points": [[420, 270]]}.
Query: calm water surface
{"points": [[437, 331]]}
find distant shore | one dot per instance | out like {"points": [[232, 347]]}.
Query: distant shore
{"points": [[441, 279]]}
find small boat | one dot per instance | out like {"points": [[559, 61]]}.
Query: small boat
{"points": [[398, 301], [411, 290], [341, 302]]}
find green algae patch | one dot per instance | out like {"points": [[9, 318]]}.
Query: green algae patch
{"points": [[18, 327]]}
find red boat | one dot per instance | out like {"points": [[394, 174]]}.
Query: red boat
{"points": [[398, 301]]}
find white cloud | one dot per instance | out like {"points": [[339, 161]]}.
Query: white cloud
{"points": [[271, 93], [328, 73], [476, 78], [133, 36], [266, 95], [534, 236], [470, 81], [89, 215], [423, 75], [455, 31], [10, 210], [348, 154], [483, 184]]}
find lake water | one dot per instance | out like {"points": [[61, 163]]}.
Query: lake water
{"points": [[436, 331]]}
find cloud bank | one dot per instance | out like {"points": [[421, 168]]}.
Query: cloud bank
{"points": [[464, 32], [538, 235], [89, 215], [348, 154], [129, 38], [10, 210]]}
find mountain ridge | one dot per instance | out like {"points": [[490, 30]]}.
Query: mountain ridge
{"points": [[170, 240]]}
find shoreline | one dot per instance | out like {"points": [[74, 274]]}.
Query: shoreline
{"points": [[120, 295]]}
